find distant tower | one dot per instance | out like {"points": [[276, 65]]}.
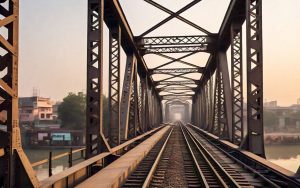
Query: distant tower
{"points": [[34, 92]]}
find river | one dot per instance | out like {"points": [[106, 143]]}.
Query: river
{"points": [[287, 156]]}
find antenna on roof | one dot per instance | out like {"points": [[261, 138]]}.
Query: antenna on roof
{"points": [[34, 92]]}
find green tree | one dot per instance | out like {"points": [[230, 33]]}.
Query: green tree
{"points": [[72, 110]]}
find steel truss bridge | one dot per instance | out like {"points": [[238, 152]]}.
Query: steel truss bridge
{"points": [[138, 109]]}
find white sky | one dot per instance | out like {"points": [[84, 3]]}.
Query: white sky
{"points": [[53, 42]]}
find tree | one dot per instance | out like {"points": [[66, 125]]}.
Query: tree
{"points": [[72, 110]]}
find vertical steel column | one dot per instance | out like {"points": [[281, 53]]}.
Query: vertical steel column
{"points": [[225, 97], [114, 85], [215, 120], [167, 112], [95, 141], [255, 140], [237, 83], [142, 103], [16, 170], [146, 103], [133, 109], [126, 95], [193, 112], [211, 104]]}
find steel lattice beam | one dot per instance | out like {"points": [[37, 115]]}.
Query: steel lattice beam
{"points": [[114, 86], [183, 9], [176, 82], [176, 49], [16, 170], [146, 42], [255, 139], [237, 84], [178, 16], [95, 141], [177, 70]]}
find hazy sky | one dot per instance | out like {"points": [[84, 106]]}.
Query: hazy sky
{"points": [[53, 42]]}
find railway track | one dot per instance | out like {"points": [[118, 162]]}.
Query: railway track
{"points": [[183, 159]]}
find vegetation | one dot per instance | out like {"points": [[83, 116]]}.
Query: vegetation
{"points": [[270, 118], [72, 111]]}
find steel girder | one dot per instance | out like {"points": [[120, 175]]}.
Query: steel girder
{"points": [[222, 121], [16, 170], [176, 49], [95, 140], [176, 44], [237, 84], [255, 138], [133, 124], [177, 16], [146, 42], [114, 86], [175, 88], [236, 14], [188, 82], [183, 9], [127, 95], [178, 71]]}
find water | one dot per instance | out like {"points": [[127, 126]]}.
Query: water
{"points": [[58, 165], [286, 156]]}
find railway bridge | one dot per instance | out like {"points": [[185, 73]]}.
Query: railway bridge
{"points": [[175, 131]]}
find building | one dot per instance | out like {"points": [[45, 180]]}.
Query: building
{"points": [[35, 110], [271, 104]]}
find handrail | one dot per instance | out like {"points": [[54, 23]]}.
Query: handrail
{"points": [[41, 162], [79, 171]]}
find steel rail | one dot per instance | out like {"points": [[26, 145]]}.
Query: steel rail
{"points": [[195, 160], [153, 168], [269, 182], [207, 161], [211, 159]]}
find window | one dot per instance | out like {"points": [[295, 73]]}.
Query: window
{"points": [[48, 116], [42, 115]]}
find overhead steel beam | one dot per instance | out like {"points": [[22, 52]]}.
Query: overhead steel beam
{"points": [[146, 42], [179, 95], [191, 4], [235, 13], [177, 16], [177, 82], [114, 14], [174, 89], [178, 60], [176, 70], [176, 97], [177, 49]]}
